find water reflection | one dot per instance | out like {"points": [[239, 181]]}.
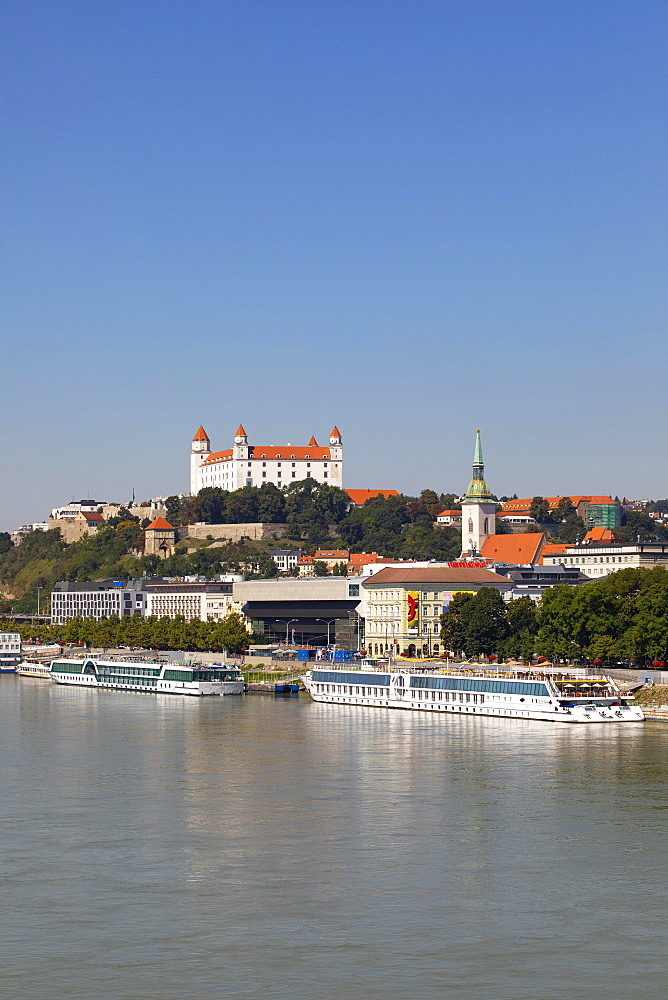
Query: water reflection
{"points": [[162, 847]]}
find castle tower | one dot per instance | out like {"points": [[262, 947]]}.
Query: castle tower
{"points": [[240, 444], [478, 508], [201, 449], [159, 538], [336, 455]]}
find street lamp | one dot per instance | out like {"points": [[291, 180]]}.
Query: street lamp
{"points": [[287, 625], [327, 623]]}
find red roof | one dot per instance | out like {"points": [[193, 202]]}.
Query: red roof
{"points": [[359, 497], [93, 517], [600, 535], [336, 433], [450, 513], [520, 506], [305, 560], [518, 549], [160, 525], [240, 431], [201, 434], [313, 443], [332, 554]]}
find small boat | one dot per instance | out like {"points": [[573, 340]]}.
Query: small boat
{"points": [[287, 688], [34, 668]]}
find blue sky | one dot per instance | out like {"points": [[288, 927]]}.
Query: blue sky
{"points": [[406, 218]]}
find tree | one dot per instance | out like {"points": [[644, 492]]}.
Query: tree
{"points": [[5, 542], [319, 568], [211, 505], [230, 633], [453, 627], [540, 510]]}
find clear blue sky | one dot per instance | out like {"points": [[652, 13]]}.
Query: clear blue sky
{"points": [[406, 218]]}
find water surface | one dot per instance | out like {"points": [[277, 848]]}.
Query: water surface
{"points": [[156, 848]]}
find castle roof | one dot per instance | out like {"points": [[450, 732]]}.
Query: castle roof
{"points": [[240, 431], [360, 497], [269, 451], [160, 524], [201, 434], [335, 432], [313, 443], [517, 549]]}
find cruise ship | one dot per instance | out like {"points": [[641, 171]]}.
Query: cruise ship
{"points": [[149, 676], [530, 694]]}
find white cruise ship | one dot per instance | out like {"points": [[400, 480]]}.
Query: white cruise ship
{"points": [[149, 676], [549, 697]]}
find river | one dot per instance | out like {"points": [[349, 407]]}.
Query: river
{"points": [[159, 848]]}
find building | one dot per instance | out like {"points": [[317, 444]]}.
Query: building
{"points": [[190, 598], [285, 559], [10, 650], [402, 606], [595, 511], [533, 581], [478, 508], [74, 507], [308, 612], [363, 563], [450, 517], [599, 559], [253, 465], [96, 599], [159, 538], [20, 533], [360, 497], [202, 599], [332, 557], [72, 529], [520, 549]]}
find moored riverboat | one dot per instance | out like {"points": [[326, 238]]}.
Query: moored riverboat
{"points": [[149, 676], [34, 668], [543, 696]]}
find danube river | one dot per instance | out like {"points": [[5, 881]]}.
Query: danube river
{"points": [[158, 848]]}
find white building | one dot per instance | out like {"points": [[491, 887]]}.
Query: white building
{"points": [[10, 650], [96, 599], [252, 465], [74, 507], [597, 561], [192, 599]]}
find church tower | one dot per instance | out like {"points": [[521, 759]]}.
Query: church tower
{"points": [[478, 508], [201, 449]]}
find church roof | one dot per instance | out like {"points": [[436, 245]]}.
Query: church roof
{"points": [[517, 549], [201, 434], [160, 525]]}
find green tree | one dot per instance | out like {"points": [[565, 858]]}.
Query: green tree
{"points": [[211, 505], [453, 623], [5, 542], [540, 510], [231, 633], [319, 568]]}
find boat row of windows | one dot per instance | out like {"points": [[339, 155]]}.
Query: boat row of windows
{"points": [[341, 677], [479, 684], [460, 697]]}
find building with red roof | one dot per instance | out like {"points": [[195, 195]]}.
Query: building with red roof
{"points": [[247, 464], [360, 497]]}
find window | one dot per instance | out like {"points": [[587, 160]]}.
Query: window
{"points": [[294, 475], [324, 475], [471, 525]]}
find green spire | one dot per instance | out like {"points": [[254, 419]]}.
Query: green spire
{"points": [[477, 454], [478, 490]]}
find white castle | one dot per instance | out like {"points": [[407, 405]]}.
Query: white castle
{"points": [[253, 464]]}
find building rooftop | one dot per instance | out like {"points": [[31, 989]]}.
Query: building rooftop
{"points": [[360, 497], [437, 575], [517, 549]]}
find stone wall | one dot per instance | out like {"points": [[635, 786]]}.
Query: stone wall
{"points": [[234, 532]]}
